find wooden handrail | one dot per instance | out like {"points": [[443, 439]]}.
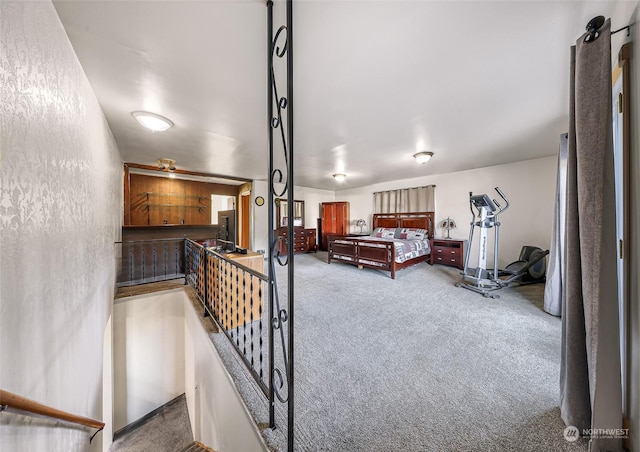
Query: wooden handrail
{"points": [[12, 401]]}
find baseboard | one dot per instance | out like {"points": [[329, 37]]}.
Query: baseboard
{"points": [[138, 422]]}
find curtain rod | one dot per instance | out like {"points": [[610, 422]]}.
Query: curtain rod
{"points": [[423, 186], [595, 24]]}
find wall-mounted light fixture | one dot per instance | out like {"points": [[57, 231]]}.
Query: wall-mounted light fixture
{"points": [[339, 177], [167, 165], [152, 121], [423, 157]]}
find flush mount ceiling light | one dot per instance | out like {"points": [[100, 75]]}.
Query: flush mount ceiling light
{"points": [[152, 121], [167, 165], [423, 157], [340, 177]]}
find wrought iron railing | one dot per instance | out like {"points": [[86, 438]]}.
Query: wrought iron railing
{"points": [[145, 261], [235, 296], [240, 299]]}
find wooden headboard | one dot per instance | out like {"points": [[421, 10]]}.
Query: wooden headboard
{"points": [[422, 220]]}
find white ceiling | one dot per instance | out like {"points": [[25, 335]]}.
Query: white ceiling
{"points": [[478, 83]]}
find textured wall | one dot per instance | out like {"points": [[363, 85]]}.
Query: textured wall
{"points": [[60, 212]]}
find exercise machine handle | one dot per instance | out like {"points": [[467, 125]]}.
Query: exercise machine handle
{"points": [[473, 214], [502, 195]]}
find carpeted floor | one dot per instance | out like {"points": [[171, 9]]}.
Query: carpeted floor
{"points": [[415, 364], [168, 430]]}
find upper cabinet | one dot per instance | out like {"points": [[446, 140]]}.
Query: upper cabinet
{"points": [[152, 200], [282, 213]]}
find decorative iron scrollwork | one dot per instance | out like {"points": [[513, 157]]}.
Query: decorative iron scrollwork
{"points": [[280, 111]]}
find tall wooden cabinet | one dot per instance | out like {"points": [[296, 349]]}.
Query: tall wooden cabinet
{"points": [[334, 220]]}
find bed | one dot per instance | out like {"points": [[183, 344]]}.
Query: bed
{"points": [[398, 240]]}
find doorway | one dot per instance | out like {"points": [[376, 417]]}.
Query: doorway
{"points": [[245, 216]]}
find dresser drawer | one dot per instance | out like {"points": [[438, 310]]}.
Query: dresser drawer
{"points": [[448, 260], [448, 252], [304, 240]]}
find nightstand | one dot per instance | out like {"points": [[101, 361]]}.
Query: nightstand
{"points": [[448, 252]]}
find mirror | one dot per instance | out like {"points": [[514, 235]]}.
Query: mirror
{"points": [[282, 213]]}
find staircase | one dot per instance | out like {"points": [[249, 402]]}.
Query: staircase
{"points": [[196, 446], [166, 429]]}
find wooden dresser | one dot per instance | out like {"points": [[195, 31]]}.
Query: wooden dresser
{"points": [[304, 240], [448, 252], [334, 221]]}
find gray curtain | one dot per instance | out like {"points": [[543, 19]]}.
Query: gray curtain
{"points": [[416, 199], [553, 289], [590, 388]]}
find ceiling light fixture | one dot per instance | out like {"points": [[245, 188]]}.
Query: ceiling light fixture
{"points": [[167, 165], [423, 157], [340, 177], [152, 121]]}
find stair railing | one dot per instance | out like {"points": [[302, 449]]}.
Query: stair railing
{"points": [[235, 297], [14, 403], [146, 261]]}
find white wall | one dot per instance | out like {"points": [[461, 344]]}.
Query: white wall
{"points": [[221, 202], [148, 354], [60, 214], [218, 415], [529, 186], [107, 384]]}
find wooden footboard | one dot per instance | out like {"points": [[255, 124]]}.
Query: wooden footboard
{"points": [[379, 254], [363, 253]]}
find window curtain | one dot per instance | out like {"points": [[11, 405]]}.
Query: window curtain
{"points": [[590, 387], [417, 199], [553, 289]]}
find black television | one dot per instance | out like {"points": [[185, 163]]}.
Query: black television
{"points": [[227, 226]]}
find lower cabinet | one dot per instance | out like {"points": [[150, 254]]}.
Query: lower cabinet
{"points": [[304, 240], [448, 252]]}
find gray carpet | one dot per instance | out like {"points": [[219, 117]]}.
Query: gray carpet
{"points": [[169, 430], [416, 364]]}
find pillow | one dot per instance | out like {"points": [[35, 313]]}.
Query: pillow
{"points": [[384, 233], [411, 234]]}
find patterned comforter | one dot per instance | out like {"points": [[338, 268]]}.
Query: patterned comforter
{"points": [[404, 249]]}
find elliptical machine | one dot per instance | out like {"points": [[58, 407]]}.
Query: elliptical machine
{"points": [[479, 279], [529, 269]]}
